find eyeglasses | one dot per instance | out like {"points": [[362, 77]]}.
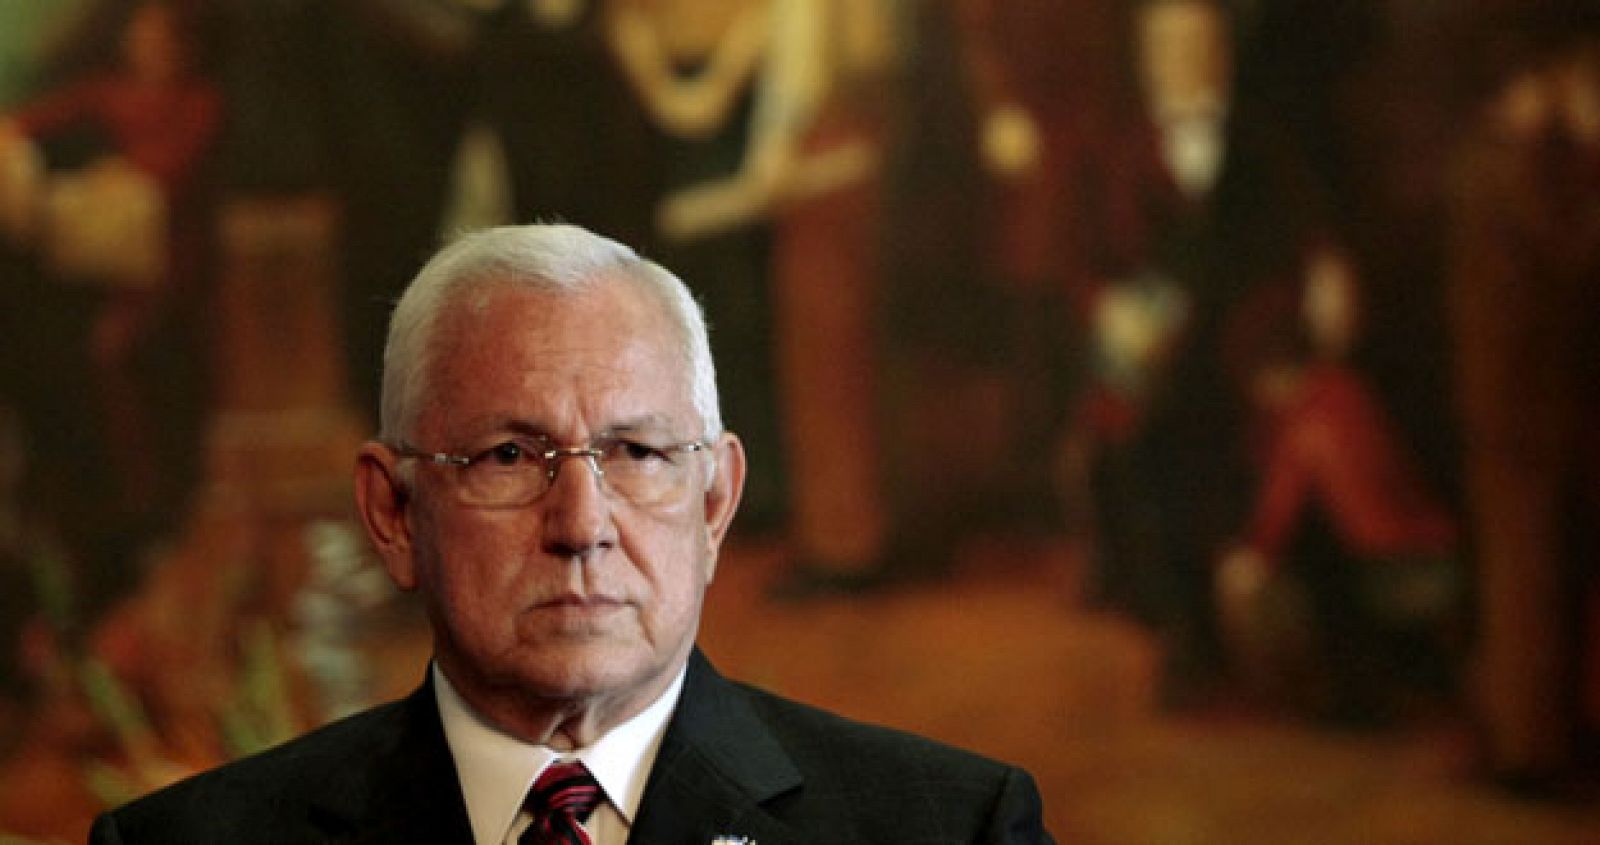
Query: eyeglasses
{"points": [[517, 472]]}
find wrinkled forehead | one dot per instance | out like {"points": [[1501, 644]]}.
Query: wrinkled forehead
{"points": [[614, 338], [612, 308]]}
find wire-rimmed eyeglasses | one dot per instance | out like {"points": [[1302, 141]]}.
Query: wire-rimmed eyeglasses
{"points": [[517, 471]]}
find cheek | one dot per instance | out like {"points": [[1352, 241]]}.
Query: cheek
{"points": [[479, 570], [671, 554]]}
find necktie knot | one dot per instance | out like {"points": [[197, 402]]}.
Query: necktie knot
{"points": [[561, 799]]}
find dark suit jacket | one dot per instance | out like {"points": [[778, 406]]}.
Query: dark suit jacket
{"points": [[735, 762]]}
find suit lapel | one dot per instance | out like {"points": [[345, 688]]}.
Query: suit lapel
{"points": [[718, 764], [406, 792]]}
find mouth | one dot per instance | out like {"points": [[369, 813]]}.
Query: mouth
{"points": [[574, 600], [583, 611]]}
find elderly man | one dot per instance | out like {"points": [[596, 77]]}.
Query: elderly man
{"points": [[553, 479]]}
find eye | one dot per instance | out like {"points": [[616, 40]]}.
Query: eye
{"points": [[635, 452], [509, 453]]}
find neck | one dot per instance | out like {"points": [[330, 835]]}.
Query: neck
{"points": [[1188, 104]]}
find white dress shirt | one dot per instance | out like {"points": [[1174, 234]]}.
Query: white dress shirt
{"points": [[497, 769], [1193, 142]]}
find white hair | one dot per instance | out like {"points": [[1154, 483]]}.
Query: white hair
{"points": [[556, 259]]}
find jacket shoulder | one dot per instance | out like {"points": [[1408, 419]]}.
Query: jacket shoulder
{"points": [[883, 784], [807, 731], [792, 772]]}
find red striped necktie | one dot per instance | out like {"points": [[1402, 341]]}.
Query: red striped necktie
{"points": [[561, 799]]}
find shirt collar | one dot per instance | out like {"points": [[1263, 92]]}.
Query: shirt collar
{"points": [[496, 769]]}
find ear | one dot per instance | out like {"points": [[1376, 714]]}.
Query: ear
{"points": [[383, 500], [722, 496]]}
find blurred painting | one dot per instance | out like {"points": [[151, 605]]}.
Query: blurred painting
{"points": [[1244, 355]]}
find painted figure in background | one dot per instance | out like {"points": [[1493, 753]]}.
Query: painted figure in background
{"points": [[577, 139], [822, 133], [811, 168], [127, 220], [696, 65], [1524, 307], [1201, 205], [1043, 76], [445, 115], [1340, 512]]}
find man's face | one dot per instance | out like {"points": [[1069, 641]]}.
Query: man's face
{"points": [[1184, 53], [580, 595], [151, 44]]}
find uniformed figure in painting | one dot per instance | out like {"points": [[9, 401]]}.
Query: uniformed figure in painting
{"points": [[104, 188], [1201, 205]]}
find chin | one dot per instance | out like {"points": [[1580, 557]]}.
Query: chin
{"points": [[579, 671]]}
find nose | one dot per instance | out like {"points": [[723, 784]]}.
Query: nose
{"points": [[577, 512], [554, 457]]}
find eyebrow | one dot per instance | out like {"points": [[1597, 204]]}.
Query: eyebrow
{"points": [[634, 425]]}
